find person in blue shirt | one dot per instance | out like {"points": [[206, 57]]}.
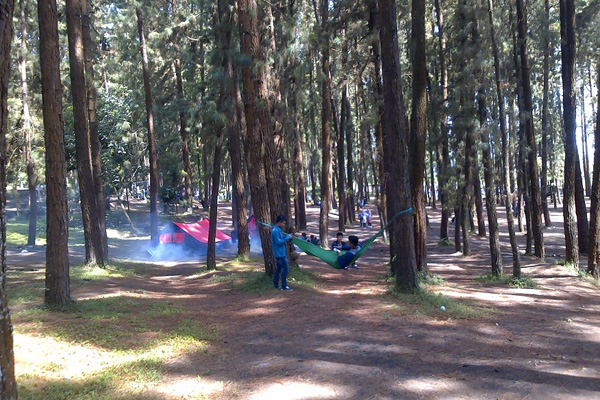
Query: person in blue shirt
{"points": [[278, 240], [339, 244], [345, 259]]}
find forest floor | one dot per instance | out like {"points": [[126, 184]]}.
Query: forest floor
{"points": [[172, 330]]}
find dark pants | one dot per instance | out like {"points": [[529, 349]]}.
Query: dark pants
{"points": [[282, 268]]}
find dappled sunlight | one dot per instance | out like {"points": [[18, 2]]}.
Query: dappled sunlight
{"points": [[432, 385], [290, 390], [189, 388]]}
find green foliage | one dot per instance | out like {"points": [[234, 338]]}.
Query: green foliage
{"points": [[444, 242], [524, 282], [423, 302], [431, 279]]}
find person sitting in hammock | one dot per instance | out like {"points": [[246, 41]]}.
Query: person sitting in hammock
{"points": [[345, 259], [339, 244]]}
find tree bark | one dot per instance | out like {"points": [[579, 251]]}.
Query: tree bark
{"points": [[567, 34], [325, 125], [490, 188], [397, 137], [27, 130], [534, 185], [418, 131], [100, 215], [151, 134], [580, 208], [94, 249], [300, 185], [8, 383], [253, 77], [584, 145], [379, 140], [237, 136], [505, 153], [223, 35], [545, 114], [57, 234], [444, 156], [594, 237]]}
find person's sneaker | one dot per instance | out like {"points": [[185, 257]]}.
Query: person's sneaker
{"points": [[287, 288], [346, 268], [354, 266], [277, 288]]}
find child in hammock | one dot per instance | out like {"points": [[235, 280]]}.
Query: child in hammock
{"points": [[347, 257]]}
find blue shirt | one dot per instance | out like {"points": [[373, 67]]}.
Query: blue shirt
{"points": [[342, 245], [278, 240]]}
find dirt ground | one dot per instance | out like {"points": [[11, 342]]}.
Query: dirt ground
{"points": [[346, 339]]}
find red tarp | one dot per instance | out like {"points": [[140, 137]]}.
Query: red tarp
{"points": [[199, 231]]}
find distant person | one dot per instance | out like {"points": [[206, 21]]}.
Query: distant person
{"points": [[362, 217], [278, 240], [339, 245], [303, 237], [315, 240], [369, 215], [345, 259]]}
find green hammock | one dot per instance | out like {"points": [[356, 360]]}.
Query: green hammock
{"points": [[330, 256]]}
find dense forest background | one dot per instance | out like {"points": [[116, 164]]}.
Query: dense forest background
{"points": [[467, 105]]}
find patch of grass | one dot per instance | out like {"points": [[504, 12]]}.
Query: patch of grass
{"points": [[229, 279], [444, 242], [423, 302], [524, 282], [259, 282], [255, 282], [163, 308], [431, 279], [24, 287], [116, 323], [582, 273]]}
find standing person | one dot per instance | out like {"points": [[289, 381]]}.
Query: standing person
{"points": [[278, 240], [369, 215], [347, 257]]}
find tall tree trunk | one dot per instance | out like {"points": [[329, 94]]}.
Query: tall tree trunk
{"points": [[253, 77], [379, 139], [183, 132], [300, 185], [418, 131], [350, 165], [546, 114], [341, 161], [151, 134], [88, 45], [94, 249], [534, 184], [57, 225], [395, 128], [27, 131], [8, 384], [505, 158], [490, 188], [584, 145], [237, 136], [594, 238], [580, 208], [223, 35], [444, 165], [567, 34], [325, 125], [477, 193], [432, 177]]}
